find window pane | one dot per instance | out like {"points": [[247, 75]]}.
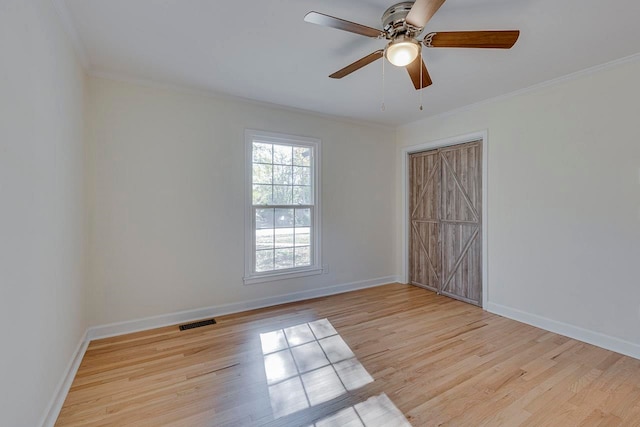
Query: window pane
{"points": [[282, 195], [262, 153], [284, 258], [283, 175], [261, 194], [301, 175], [303, 217], [303, 236], [264, 238], [303, 256], [264, 218], [264, 260], [282, 154], [302, 195], [284, 217], [261, 173], [284, 237], [302, 156]]}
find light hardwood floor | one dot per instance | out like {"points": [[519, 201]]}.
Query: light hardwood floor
{"points": [[440, 361]]}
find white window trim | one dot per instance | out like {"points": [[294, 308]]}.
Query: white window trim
{"points": [[250, 277]]}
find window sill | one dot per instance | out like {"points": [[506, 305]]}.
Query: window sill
{"points": [[272, 277]]}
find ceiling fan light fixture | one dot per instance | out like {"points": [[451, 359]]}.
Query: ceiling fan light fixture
{"points": [[402, 51]]}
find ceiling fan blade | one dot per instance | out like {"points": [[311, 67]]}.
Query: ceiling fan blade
{"points": [[473, 39], [422, 11], [414, 73], [341, 24], [357, 65]]}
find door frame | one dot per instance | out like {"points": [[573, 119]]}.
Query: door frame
{"points": [[432, 145]]}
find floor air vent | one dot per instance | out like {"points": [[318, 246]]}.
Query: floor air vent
{"points": [[197, 324]]}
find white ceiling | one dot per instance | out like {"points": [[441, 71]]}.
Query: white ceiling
{"points": [[263, 50]]}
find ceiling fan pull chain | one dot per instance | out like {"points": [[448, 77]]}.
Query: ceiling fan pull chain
{"points": [[382, 107], [421, 67]]}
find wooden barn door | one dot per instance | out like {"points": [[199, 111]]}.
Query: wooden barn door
{"points": [[461, 222], [424, 244], [446, 223]]}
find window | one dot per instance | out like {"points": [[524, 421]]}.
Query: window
{"points": [[282, 207]]}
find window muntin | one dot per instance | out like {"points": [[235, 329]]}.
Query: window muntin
{"points": [[281, 174], [282, 238]]}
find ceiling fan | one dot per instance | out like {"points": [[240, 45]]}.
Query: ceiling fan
{"points": [[402, 23]]}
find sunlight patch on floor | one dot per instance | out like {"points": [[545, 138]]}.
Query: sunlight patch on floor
{"points": [[307, 365], [377, 411]]}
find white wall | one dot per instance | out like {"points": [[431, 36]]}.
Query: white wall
{"points": [[164, 181], [42, 208], [564, 202], [167, 194]]}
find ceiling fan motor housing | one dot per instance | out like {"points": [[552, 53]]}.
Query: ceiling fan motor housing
{"points": [[393, 21]]}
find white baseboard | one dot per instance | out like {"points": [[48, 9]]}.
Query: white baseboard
{"points": [[596, 338], [51, 413], [127, 327], [53, 409]]}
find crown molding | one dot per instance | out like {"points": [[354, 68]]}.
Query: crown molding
{"points": [[195, 90], [534, 88], [469, 107], [66, 20]]}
